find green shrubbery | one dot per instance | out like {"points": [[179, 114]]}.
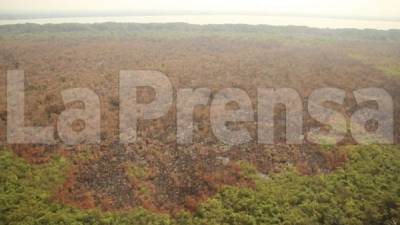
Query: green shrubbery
{"points": [[179, 30], [365, 191], [25, 197]]}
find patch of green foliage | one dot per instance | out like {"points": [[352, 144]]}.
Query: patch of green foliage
{"points": [[387, 64], [135, 171], [26, 197], [182, 30], [391, 70], [365, 191]]}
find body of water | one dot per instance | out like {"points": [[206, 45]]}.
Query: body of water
{"points": [[224, 19]]}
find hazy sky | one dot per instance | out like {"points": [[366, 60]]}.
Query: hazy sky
{"points": [[373, 8]]}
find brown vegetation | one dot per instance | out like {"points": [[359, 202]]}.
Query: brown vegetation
{"points": [[156, 173]]}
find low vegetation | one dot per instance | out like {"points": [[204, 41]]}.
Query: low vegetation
{"points": [[179, 30], [365, 191], [156, 181]]}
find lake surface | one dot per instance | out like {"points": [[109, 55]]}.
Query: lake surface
{"points": [[224, 19]]}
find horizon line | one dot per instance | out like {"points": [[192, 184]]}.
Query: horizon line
{"points": [[47, 14]]}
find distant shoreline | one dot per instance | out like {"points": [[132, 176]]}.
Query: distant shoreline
{"points": [[205, 19], [16, 15]]}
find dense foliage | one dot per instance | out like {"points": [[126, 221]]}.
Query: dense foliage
{"points": [[365, 191], [123, 30]]}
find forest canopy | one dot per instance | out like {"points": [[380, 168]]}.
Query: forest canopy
{"points": [[365, 191]]}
